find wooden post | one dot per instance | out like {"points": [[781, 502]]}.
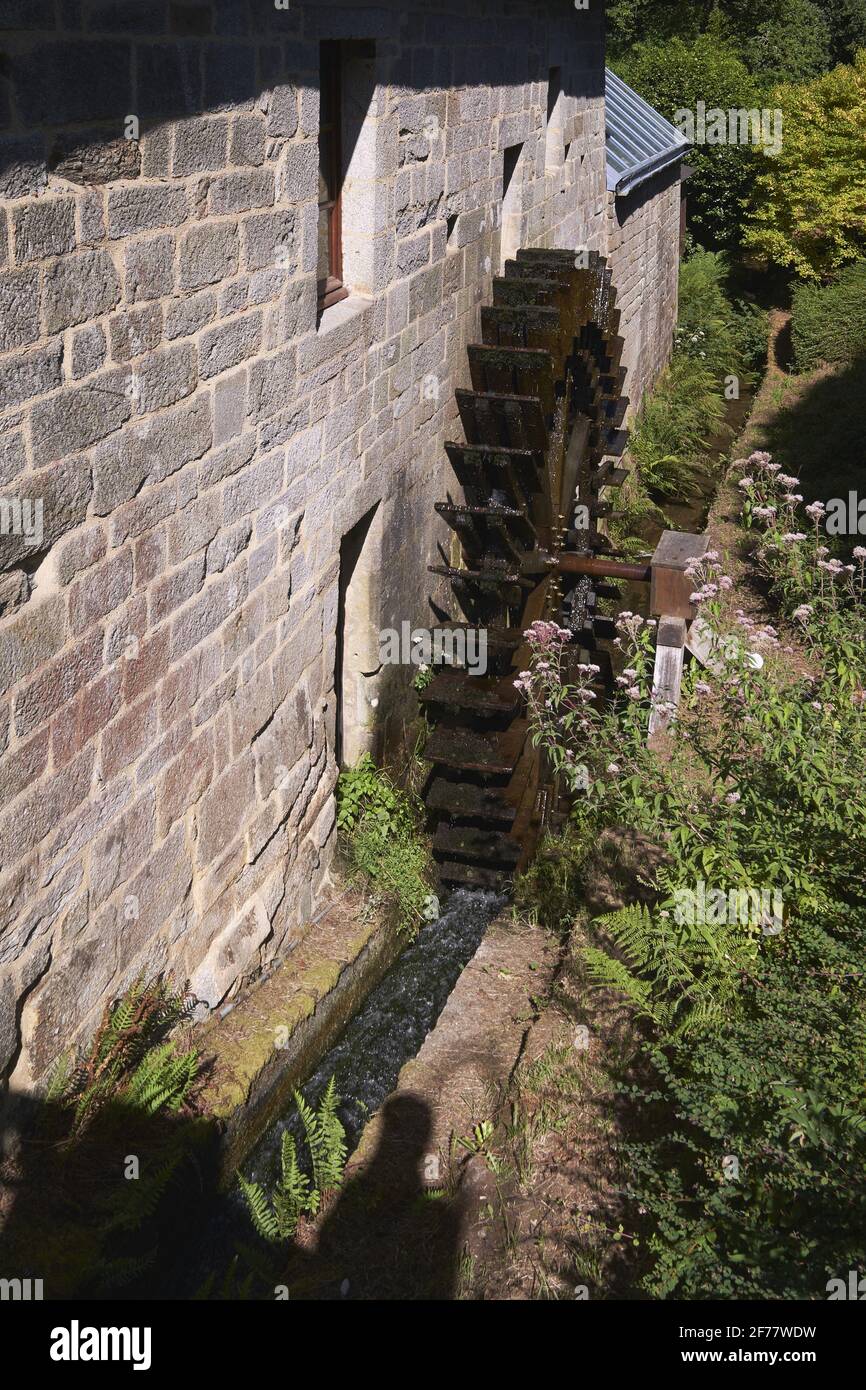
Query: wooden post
{"points": [[670, 590], [670, 586]]}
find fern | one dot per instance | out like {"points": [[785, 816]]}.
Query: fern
{"points": [[607, 972], [161, 1080], [681, 978], [325, 1137], [261, 1212], [115, 1273], [59, 1078], [293, 1196], [130, 1036], [276, 1218], [138, 1199]]}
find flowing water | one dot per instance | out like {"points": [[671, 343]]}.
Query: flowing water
{"points": [[387, 1032], [391, 1026]]}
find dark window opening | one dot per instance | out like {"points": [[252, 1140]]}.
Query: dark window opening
{"points": [[509, 167], [330, 284]]}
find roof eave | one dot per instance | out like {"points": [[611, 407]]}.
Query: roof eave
{"points": [[623, 184]]}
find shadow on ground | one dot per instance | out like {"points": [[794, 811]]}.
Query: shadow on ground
{"points": [[818, 431], [388, 1236], [122, 1210]]}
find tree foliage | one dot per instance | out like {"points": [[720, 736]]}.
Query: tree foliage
{"points": [[791, 46], [808, 206], [777, 39], [847, 24], [737, 54], [677, 75]]}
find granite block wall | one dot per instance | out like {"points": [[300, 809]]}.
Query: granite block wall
{"points": [[184, 442]]}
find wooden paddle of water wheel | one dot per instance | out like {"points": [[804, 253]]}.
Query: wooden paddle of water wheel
{"points": [[543, 433]]}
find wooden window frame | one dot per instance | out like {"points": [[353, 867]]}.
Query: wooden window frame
{"points": [[331, 289]]}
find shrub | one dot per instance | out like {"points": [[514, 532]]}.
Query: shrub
{"points": [[807, 203], [715, 338], [669, 438], [777, 1090], [829, 321], [732, 334]]}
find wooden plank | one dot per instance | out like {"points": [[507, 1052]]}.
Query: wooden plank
{"points": [[517, 472], [513, 370], [668, 674], [513, 422], [465, 801]]}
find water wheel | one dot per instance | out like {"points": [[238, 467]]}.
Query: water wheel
{"points": [[543, 427]]}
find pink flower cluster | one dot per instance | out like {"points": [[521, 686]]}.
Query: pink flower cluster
{"points": [[707, 574], [543, 634]]}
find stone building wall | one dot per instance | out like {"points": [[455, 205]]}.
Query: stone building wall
{"points": [[643, 242], [200, 445]]}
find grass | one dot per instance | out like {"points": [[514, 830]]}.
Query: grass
{"points": [[383, 840]]}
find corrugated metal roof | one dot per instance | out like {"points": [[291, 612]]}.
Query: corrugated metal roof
{"points": [[640, 142]]}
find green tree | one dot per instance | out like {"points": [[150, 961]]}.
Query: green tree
{"points": [[778, 40], [808, 206], [847, 23], [791, 46], [675, 76]]}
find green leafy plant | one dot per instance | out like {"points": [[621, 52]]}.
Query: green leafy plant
{"points": [[716, 339], [479, 1140], [829, 321], [728, 335], [382, 833], [125, 1063], [425, 675], [296, 1194], [746, 1161], [90, 1227], [365, 791]]}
